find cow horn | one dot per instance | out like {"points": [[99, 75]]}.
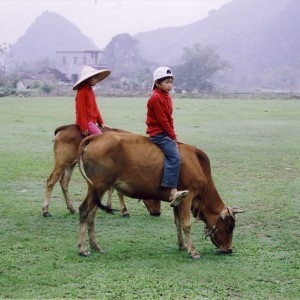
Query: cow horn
{"points": [[237, 210], [224, 212], [231, 211]]}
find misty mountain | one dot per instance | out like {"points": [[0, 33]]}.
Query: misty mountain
{"points": [[254, 36], [123, 57], [259, 38], [50, 33]]}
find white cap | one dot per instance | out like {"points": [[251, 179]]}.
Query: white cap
{"points": [[161, 72]]}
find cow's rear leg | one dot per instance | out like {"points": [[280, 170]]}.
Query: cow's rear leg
{"points": [[64, 183], [124, 210], [87, 213], [51, 181], [91, 230], [109, 197]]}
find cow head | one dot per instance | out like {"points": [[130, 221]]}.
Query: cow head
{"points": [[153, 206], [221, 232]]}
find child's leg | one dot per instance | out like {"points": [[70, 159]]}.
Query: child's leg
{"points": [[93, 128], [171, 160], [171, 167], [171, 163]]}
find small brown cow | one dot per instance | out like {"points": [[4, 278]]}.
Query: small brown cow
{"points": [[66, 142], [133, 165]]}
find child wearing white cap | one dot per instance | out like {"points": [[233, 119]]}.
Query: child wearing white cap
{"points": [[160, 128], [87, 112]]}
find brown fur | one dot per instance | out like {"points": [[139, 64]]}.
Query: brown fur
{"points": [[66, 142], [131, 164]]}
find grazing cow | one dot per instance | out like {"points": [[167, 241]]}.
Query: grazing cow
{"points": [[133, 165], [66, 142]]}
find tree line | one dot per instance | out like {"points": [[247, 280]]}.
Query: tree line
{"points": [[196, 71]]}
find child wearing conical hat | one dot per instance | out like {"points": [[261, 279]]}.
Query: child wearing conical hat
{"points": [[88, 116]]}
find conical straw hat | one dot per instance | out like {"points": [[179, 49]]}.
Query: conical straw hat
{"points": [[88, 72]]}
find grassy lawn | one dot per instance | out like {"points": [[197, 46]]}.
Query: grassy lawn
{"points": [[254, 149]]}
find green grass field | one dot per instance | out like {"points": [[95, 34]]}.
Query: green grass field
{"points": [[254, 149]]}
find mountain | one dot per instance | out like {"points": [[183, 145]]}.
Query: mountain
{"points": [[122, 55], [49, 33], [259, 38], [255, 36]]}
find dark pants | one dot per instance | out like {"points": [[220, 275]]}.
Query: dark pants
{"points": [[171, 160]]}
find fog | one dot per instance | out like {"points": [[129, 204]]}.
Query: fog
{"points": [[101, 20]]}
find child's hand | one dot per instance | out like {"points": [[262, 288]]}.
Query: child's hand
{"points": [[102, 125], [85, 133]]}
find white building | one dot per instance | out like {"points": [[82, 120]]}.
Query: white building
{"points": [[70, 63]]}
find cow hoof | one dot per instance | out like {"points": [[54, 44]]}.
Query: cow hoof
{"points": [[196, 256], [72, 211], [46, 214], [182, 246], [97, 248], [100, 250], [84, 253], [126, 215]]}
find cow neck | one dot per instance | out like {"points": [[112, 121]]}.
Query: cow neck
{"points": [[211, 205]]}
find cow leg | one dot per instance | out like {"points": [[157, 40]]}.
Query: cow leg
{"points": [[109, 197], [191, 249], [185, 218], [83, 215], [51, 181], [64, 183], [180, 241], [91, 229], [87, 214], [124, 210]]}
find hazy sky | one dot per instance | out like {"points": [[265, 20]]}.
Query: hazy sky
{"points": [[103, 19]]}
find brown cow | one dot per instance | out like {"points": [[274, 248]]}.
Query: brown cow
{"points": [[66, 142], [132, 164]]}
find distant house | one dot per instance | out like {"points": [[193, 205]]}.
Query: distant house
{"points": [[28, 79], [70, 63], [53, 74]]}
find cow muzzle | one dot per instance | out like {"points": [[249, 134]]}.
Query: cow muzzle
{"points": [[223, 251], [155, 214], [220, 250]]}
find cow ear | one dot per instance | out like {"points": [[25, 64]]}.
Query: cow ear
{"points": [[236, 210]]}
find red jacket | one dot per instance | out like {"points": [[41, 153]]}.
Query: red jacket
{"points": [[86, 108], [159, 114]]}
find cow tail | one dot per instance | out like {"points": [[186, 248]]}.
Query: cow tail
{"points": [[96, 197], [100, 205]]}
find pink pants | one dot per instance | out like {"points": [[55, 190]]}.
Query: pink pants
{"points": [[93, 128]]}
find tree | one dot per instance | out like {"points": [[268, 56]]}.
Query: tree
{"points": [[282, 77], [47, 88], [199, 65], [122, 55], [5, 50]]}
